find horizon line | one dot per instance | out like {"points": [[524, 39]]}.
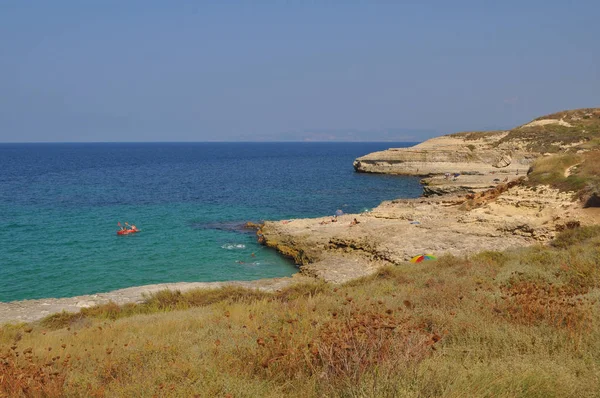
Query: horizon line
{"points": [[205, 142]]}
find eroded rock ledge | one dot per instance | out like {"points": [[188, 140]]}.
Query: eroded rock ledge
{"points": [[507, 216], [467, 154]]}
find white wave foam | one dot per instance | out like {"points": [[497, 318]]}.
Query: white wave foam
{"points": [[233, 246]]}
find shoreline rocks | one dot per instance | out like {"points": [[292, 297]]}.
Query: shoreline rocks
{"points": [[507, 216]]}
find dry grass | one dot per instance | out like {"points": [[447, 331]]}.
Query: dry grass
{"points": [[584, 132], [551, 171], [161, 301], [584, 178], [478, 135], [518, 323]]}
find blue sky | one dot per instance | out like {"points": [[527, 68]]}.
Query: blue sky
{"points": [[289, 70]]}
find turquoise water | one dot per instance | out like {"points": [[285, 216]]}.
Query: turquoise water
{"points": [[60, 204]]}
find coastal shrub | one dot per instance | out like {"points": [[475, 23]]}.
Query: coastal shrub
{"points": [[477, 135], [340, 346], [549, 138], [583, 178], [61, 319], [581, 268], [13, 332], [533, 302], [494, 258], [300, 290], [24, 374], [575, 236], [589, 170], [449, 261], [396, 274], [550, 170], [161, 301], [171, 300], [348, 347]]}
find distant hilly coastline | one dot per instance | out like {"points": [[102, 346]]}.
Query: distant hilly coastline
{"points": [[345, 135]]}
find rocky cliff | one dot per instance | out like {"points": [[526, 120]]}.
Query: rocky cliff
{"points": [[472, 153], [483, 159], [508, 216], [493, 151]]}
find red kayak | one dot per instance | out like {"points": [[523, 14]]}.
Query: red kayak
{"points": [[127, 231]]}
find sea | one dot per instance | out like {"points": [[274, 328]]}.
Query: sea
{"points": [[60, 205]]}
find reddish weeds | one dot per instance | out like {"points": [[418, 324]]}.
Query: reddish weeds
{"points": [[534, 302]]}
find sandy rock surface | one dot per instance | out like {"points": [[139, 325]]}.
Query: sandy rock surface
{"points": [[397, 230], [483, 155]]}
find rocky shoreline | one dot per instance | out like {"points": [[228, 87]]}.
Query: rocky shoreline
{"points": [[475, 199], [391, 233], [506, 216]]}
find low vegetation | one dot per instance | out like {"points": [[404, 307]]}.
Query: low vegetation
{"points": [[582, 129], [477, 135], [573, 130], [579, 173], [515, 323]]}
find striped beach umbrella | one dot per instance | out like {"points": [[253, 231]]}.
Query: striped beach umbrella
{"points": [[422, 257]]}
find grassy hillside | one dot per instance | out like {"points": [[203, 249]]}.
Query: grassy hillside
{"points": [[579, 173], [571, 131], [519, 323], [581, 129]]}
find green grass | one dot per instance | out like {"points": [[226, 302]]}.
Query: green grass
{"points": [[515, 323]]}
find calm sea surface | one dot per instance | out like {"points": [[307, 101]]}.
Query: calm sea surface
{"points": [[60, 204]]}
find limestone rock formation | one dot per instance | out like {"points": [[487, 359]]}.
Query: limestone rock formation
{"points": [[507, 216], [483, 159], [463, 153]]}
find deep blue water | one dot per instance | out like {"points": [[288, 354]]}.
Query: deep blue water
{"points": [[60, 204]]}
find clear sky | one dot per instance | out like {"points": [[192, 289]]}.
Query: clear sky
{"points": [[290, 70]]}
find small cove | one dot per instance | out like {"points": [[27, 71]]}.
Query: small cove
{"points": [[60, 204]]}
